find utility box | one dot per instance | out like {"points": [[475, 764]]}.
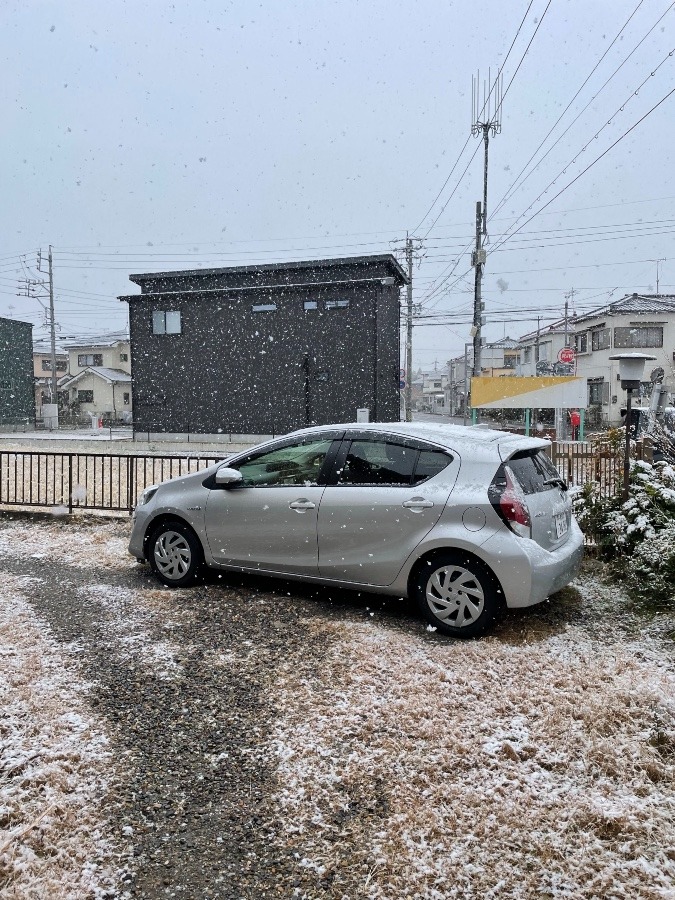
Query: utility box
{"points": [[50, 416], [363, 415]]}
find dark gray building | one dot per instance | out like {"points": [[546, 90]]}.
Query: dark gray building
{"points": [[266, 349], [17, 391]]}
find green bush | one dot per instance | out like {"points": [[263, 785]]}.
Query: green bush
{"points": [[637, 535]]}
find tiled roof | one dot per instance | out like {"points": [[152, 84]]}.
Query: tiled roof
{"points": [[110, 375], [634, 304]]}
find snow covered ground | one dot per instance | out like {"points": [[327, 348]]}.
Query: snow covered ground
{"points": [[537, 762], [55, 764]]}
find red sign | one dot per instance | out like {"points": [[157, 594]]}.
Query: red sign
{"points": [[566, 355]]}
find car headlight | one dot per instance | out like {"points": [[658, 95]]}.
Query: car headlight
{"points": [[147, 494]]}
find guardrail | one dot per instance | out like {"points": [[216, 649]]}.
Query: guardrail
{"points": [[106, 482]]}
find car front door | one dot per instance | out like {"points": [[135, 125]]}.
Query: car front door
{"points": [[384, 495], [268, 521]]}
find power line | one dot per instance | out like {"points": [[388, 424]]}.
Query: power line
{"points": [[589, 166], [508, 87], [461, 152], [562, 114], [633, 93]]}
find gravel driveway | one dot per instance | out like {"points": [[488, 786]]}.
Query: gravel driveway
{"points": [[271, 740]]}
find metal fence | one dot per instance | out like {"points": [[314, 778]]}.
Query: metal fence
{"points": [[112, 482], [92, 481]]}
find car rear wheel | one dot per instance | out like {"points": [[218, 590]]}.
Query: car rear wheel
{"points": [[175, 554], [456, 594]]}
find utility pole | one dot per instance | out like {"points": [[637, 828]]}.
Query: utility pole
{"points": [[411, 246], [485, 120], [52, 325], [568, 296], [409, 330], [477, 261], [657, 261], [31, 289]]}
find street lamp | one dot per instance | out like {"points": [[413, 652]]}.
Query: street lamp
{"points": [[631, 369]]}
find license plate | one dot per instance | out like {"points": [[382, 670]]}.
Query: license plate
{"points": [[561, 525]]}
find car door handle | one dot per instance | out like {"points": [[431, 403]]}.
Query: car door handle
{"points": [[418, 503], [302, 504]]}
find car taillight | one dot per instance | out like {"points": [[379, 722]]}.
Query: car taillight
{"points": [[514, 509]]}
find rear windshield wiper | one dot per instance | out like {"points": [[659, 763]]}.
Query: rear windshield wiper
{"points": [[556, 479]]}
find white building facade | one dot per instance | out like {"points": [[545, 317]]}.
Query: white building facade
{"points": [[637, 322]]}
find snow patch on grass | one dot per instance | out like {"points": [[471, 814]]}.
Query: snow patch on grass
{"points": [[55, 766], [85, 547], [448, 769]]}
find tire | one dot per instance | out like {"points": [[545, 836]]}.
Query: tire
{"points": [[175, 554], [456, 593]]}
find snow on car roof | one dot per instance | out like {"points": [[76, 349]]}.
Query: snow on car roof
{"points": [[455, 437]]}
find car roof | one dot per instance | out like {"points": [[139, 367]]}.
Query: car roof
{"points": [[477, 439]]}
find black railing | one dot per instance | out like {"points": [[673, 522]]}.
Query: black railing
{"points": [[92, 481]]}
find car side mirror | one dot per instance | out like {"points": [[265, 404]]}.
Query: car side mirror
{"points": [[228, 477]]}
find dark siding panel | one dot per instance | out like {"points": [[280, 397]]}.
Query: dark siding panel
{"points": [[17, 393], [233, 370]]}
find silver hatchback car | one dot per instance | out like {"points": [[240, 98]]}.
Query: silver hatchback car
{"points": [[464, 520]]}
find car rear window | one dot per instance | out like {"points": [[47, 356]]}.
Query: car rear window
{"points": [[533, 469], [387, 462]]}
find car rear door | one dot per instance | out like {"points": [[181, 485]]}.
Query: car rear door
{"points": [[385, 494], [546, 496]]}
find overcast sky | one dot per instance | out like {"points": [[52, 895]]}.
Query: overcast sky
{"points": [[148, 136]]}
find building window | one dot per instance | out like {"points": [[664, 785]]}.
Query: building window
{"points": [[581, 343], [166, 322], [638, 336], [600, 340], [264, 307], [527, 355], [89, 359], [337, 304], [310, 304], [598, 392], [127, 398], [124, 357], [85, 396]]}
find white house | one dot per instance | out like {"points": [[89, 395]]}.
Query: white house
{"points": [[99, 383], [498, 358], [539, 350], [644, 322]]}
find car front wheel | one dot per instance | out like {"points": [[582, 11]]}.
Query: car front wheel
{"points": [[456, 594], [175, 554]]}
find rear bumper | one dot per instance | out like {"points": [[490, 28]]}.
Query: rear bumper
{"points": [[529, 574]]}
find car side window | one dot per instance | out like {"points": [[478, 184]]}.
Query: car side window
{"points": [[430, 463], [293, 464], [377, 462]]}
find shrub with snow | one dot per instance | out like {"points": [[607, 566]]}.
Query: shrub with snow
{"points": [[638, 535]]}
